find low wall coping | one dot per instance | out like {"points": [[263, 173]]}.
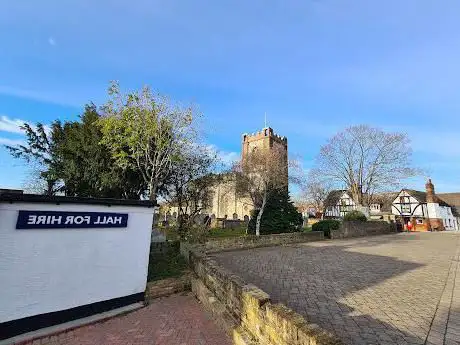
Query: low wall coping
{"points": [[36, 198]]}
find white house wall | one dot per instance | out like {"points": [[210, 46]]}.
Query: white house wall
{"points": [[426, 210], [333, 211], [337, 210], [450, 222], [434, 210], [416, 210], [50, 270]]}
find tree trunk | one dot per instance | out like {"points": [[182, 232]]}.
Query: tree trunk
{"points": [[153, 195], [261, 212], [356, 194], [50, 187]]}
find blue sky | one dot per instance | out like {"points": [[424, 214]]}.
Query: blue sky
{"points": [[314, 66]]}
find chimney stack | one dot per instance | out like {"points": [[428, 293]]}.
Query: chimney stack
{"points": [[430, 193]]}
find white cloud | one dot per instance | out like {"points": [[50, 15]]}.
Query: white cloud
{"points": [[227, 158], [10, 142], [11, 125], [51, 41]]}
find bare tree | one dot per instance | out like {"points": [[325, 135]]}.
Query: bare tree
{"points": [[366, 160], [261, 173], [190, 185], [316, 189]]}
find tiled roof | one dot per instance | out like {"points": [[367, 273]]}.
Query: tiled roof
{"points": [[385, 200], [333, 198], [421, 197], [453, 199]]}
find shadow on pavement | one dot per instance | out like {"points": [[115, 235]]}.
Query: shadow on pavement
{"points": [[335, 286]]}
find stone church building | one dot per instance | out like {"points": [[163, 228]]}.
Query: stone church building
{"points": [[226, 204], [226, 207]]}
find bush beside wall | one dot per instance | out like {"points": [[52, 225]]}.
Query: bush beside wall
{"points": [[326, 226], [355, 215]]}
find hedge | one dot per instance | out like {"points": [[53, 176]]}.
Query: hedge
{"points": [[326, 226]]}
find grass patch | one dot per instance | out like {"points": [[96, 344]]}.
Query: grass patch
{"points": [[306, 228], [219, 232], [172, 234], [166, 265]]}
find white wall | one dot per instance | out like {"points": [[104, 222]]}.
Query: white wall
{"points": [[338, 209], [428, 210], [50, 270], [416, 210], [445, 213]]}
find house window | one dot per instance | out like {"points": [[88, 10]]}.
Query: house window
{"points": [[405, 204], [404, 200], [346, 202], [405, 208], [419, 221]]}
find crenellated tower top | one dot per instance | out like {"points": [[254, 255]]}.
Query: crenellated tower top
{"points": [[265, 139]]}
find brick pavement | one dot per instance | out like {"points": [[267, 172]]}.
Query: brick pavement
{"points": [[174, 320], [393, 289]]}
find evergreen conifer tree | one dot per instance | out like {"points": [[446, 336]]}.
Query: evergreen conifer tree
{"points": [[279, 216]]}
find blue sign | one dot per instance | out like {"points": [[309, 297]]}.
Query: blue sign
{"points": [[70, 220]]}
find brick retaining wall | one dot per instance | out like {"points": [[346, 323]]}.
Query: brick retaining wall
{"points": [[359, 229], [245, 310]]}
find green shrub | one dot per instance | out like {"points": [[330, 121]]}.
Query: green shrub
{"points": [[355, 216], [326, 226]]}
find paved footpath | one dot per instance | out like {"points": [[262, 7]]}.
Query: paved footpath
{"points": [[174, 320], [393, 289]]}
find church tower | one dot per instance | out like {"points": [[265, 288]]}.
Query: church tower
{"points": [[266, 139], [226, 203]]}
